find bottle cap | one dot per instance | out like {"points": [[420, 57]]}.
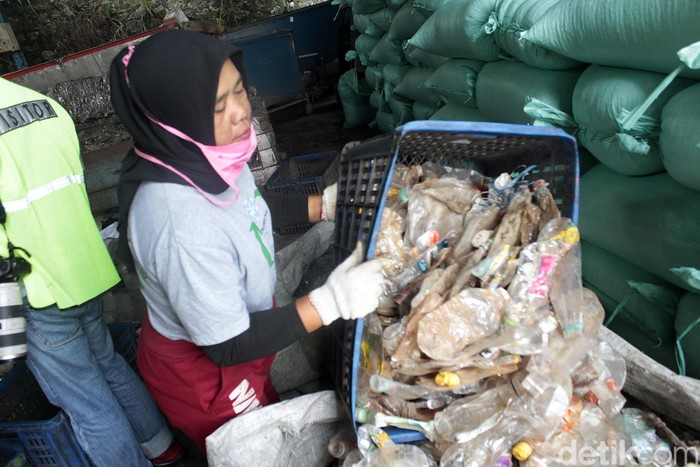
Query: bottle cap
{"points": [[522, 451]]}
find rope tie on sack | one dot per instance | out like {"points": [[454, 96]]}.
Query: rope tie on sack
{"points": [[618, 309], [545, 113], [680, 355], [690, 57]]}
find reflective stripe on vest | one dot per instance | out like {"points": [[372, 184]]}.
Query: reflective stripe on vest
{"points": [[40, 192]]}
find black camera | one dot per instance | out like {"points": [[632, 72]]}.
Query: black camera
{"points": [[13, 269]]}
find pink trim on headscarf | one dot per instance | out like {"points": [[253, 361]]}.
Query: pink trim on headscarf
{"points": [[150, 158], [125, 60]]}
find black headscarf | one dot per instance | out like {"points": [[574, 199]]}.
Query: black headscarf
{"points": [[172, 76]]}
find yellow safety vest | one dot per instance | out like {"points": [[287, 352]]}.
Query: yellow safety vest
{"points": [[43, 192]]}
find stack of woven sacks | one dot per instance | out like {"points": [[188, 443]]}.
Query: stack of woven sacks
{"points": [[622, 77]]}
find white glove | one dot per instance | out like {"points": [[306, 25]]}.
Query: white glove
{"points": [[330, 196], [352, 289]]}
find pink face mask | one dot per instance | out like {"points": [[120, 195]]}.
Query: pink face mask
{"points": [[228, 161]]}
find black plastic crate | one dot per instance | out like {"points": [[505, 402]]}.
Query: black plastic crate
{"points": [[304, 175], [493, 148], [363, 170]]}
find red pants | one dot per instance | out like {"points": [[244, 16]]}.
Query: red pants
{"points": [[195, 394]]}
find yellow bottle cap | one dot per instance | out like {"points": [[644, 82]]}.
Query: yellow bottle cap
{"points": [[522, 451], [447, 379]]}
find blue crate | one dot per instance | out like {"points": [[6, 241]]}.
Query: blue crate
{"points": [[363, 184], [42, 430]]}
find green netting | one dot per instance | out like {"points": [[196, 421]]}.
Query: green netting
{"points": [[365, 7], [636, 34], [504, 88], [507, 23], [355, 104], [423, 111], [459, 112], [412, 87], [650, 221], [406, 22], [680, 137], [455, 81], [458, 30], [610, 275], [688, 334], [603, 99], [388, 51], [383, 18]]}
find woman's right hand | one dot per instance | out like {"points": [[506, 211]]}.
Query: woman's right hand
{"points": [[352, 289]]}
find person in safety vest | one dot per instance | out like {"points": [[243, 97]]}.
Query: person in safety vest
{"points": [[69, 348], [200, 235]]}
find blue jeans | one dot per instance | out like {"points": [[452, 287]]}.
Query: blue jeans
{"points": [[112, 413]]}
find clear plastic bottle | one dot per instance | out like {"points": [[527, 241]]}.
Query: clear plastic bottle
{"points": [[566, 292], [487, 448], [343, 442], [418, 266]]}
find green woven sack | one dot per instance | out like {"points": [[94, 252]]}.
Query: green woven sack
{"points": [[377, 102], [514, 92], [419, 57], [412, 87], [629, 293], [383, 18], [455, 81], [365, 7], [392, 76], [458, 30], [386, 121], [401, 108], [396, 4], [458, 112], [373, 75], [586, 160], [604, 101], [507, 23], [406, 23], [388, 51], [638, 34], [423, 111], [364, 25], [688, 335], [355, 104], [364, 44], [430, 6], [663, 354], [650, 221], [680, 137]]}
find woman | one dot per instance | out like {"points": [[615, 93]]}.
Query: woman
{"points": [[201, 235]]}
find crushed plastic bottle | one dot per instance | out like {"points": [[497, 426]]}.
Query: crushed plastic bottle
{"points": [[418, 266]]}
